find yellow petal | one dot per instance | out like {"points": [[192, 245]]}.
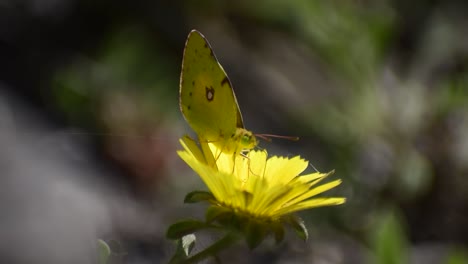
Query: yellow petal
{"points": [[281, 170], [312, 203], [317, 190]]}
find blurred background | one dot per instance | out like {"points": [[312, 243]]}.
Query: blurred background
{"points": [[89, 123]]}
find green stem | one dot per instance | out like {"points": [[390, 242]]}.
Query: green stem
{"points": [[215, 248]]}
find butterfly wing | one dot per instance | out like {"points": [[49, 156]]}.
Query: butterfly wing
{"points": [[207, 99]]}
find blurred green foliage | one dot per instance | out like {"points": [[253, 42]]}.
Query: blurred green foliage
{"points": [[130, 65], [457, 257], [389, 241], [391, 116]]}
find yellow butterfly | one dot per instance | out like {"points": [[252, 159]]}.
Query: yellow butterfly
{"points": [[207, 99]]}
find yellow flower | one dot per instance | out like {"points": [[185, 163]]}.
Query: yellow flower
{"points": [[256, 186]]}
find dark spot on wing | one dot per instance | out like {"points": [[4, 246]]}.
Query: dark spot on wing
{"points": [[210, 92], [225, 81], [190, 94], [193, 83], [188, 107]]}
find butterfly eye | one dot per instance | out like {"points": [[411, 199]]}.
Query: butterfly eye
{"points": [[246, 139]]}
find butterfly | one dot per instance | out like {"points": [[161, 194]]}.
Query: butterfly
{"points": [[207, 100]]}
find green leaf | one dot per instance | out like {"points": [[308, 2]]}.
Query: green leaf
{"points": [[278, 230], [104, 251], [217, 213], [255, 233], [185, 227], [198, 196], [188, 242], [213, 250], [183, 249], [298, 226], [180, 254]]}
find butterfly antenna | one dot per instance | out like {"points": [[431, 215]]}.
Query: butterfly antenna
{"points": [[267, 139]]}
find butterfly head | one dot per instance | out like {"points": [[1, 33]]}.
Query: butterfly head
{"points": [[247, 140]]}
